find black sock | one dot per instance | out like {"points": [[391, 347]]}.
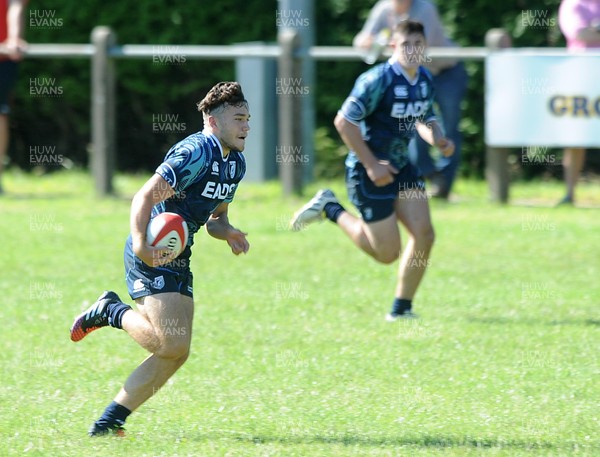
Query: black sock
{"points": [[115, 313], [401, 305], [114, 414], [333, 211]]}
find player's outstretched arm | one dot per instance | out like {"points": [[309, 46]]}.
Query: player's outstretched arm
{"points": [[218, 227], [154, 191], [432, 133]]}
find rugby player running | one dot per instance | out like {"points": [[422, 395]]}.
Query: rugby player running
{"points": [[197, 180], [377, 121]]}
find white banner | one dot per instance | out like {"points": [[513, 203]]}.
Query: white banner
{"points": [[551, 99]]}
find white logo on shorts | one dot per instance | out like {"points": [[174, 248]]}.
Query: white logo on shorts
{"points": [[158, 283], [368, 213]]}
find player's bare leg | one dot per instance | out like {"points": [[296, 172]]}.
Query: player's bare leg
{"points": [[414, 214], [163, 326], [573, 160], [381, 239]]}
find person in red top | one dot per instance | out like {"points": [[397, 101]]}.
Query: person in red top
{"points": [[12, 47]]}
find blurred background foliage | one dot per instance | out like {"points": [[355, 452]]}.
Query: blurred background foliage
{"points": [[146, 88]]}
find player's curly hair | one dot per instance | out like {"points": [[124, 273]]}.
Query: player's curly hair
{"points": [[227, 92]]}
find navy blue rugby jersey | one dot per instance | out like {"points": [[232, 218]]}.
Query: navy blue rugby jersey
{"points": [[201, 177], [386, 104]]}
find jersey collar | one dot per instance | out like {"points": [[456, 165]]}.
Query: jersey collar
{"points": [[214, 139], [400, 71]]}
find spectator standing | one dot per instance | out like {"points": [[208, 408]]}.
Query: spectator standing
{"points": [[579, 21]]}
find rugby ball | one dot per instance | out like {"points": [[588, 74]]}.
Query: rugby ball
{"points": [[168, 230]]}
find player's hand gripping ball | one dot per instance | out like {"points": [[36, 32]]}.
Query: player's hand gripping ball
{"points": [[168, 230]]}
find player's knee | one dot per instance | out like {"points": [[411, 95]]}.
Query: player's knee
{"points": [[425, 235], [387, 256], [182, 359], [174, 349]]}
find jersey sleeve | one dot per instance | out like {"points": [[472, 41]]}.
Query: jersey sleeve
{"points": [[365, 96], [430, 114], [184, 165]]}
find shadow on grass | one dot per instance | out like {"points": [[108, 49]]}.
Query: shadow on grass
{"points": [[426, 441], [531, 321]]}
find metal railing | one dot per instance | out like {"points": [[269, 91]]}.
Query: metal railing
{"points": [[103, 51], [231, 52]]}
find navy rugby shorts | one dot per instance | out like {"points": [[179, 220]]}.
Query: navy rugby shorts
{"points": [[377, 203], [143, 280]]}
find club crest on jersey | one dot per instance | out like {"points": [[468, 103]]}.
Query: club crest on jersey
{"points": [[215, 168], [424, 89], [400, 91], [231, 169], [158, 283]]}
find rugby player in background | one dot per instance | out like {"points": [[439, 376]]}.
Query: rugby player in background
{"points": [[377, 121]]}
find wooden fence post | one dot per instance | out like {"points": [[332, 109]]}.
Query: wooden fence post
{"points": [[496, 159], [103, 110], [290, 112]]}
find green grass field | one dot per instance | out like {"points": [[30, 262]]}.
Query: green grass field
{"points": [[291, 355]]}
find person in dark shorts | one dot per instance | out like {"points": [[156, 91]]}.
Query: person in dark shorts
{"points": [[377, 121], [197, 180]]}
